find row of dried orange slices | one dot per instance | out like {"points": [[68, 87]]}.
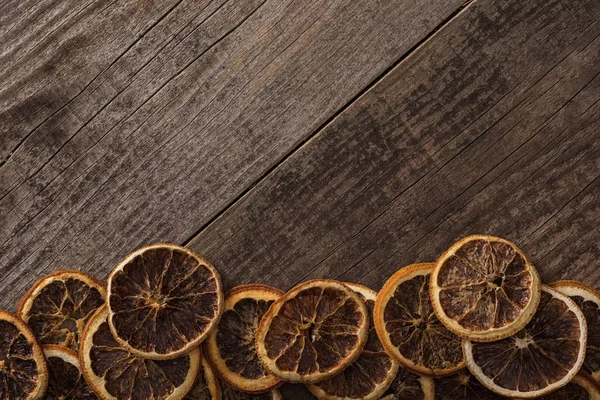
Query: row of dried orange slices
{"points": [[478, 321], [482, 305]]}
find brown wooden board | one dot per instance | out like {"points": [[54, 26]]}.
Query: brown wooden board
{"points": [[492, 126], [125, 123]]}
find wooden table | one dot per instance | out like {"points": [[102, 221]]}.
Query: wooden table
{"points": [[293, 139]]}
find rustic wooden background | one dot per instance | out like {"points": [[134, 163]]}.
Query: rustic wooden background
{"points": [[293, 139]]}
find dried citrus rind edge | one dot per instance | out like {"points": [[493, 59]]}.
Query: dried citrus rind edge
{"points": [[385, 294], [487, 382], [211, 378], [211, 349], [66, 354], [575, 288], [493, 334], [314, 378], [197, 341]]}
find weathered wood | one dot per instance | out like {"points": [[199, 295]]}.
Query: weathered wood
{"points": [[492, 126], [133, 122]]}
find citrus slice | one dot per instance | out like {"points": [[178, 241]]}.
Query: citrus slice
{"points": [[409, 329], [58, 306], [588, 300], [23, 370], [231, 348], [540, 358], [313, 332], [66, 381], [207, 387], [410, 386], [463, 386], [484, 288], [115, 373], [163, 301], [373, 371]]}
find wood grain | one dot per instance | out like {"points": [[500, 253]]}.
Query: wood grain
{"points": [[126, 122], [492, 126]]}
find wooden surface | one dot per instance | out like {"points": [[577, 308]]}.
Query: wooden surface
{"points": [[125, 123], [289, 140]]}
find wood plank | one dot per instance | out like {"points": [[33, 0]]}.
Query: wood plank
{"points": [[118, 140], [45, 57], [492, 126]]}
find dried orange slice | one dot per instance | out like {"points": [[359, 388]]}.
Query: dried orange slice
{"points": [[58, 306], [115, 373], [484, 288], [207, 387], [540, 358], [231, 348], [410, 386], [373, 371], [588, 300], [463, 386], [313, 332], [66, 381], [409, 329], [23, 371], [163, 300]]}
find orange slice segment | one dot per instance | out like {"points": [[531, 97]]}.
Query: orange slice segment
{"points": [[373, 371], [231, 347], [540, 358], [409, 329], [163, 301], [484, 288], [58, 306], [313, 332]]}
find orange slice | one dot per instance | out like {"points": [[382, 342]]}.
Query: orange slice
{"points": [[540, 358], [66, 381], [313, 332], [484, 288], [373, 371], [588, 300], [115, 373], [58, 306], [163, 301], [23, 370], [231, 347], [409, 329]]}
